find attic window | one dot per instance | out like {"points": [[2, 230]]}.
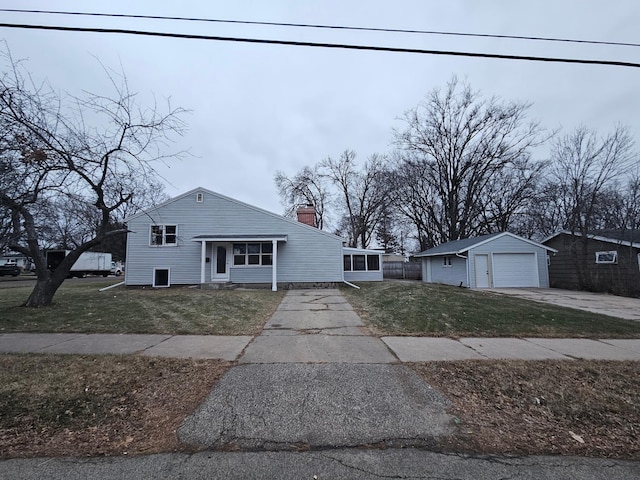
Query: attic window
{"points": [[199, 197], [607, 257]]}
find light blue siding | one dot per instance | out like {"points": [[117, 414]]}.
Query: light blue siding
{"points": [[455, 274], [251, 274], [370, 276], [309, 255], [509, 244], [496, 248]]}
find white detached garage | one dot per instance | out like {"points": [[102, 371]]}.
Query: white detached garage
{"points": [[489, 261]]}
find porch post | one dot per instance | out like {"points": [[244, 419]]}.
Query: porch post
{"points": [[274, 268], [203, 256]]}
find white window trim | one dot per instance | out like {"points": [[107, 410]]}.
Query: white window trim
{"points": [[246, 256], [199, 197], [614, 261], [153, 280], [446, 264], [366, 262], [164, 234]]}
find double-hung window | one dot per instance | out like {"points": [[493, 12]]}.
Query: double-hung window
{"points": [[164, 235], [253, 254]]}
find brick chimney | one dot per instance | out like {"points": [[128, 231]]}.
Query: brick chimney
{"points": [[307, 215]]}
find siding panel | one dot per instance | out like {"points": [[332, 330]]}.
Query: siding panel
{"points": [[455, 274], [622, 278]]}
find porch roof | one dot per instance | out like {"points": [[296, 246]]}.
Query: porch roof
{"points": [[240, 238]]}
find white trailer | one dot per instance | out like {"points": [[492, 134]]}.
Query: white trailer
{"points": [[89, 263]]}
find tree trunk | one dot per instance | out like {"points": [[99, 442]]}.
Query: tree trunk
{"points": [[43, 293]]}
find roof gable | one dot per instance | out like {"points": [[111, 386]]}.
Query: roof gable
{"points": [[192, 192]]}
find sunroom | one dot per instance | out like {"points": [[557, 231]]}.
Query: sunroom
{"points": [[362, 265]]}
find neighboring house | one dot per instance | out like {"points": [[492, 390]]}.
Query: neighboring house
{"points": [[393, 257], [16, 259], [612, 261], [489, 261], [202, 237]]}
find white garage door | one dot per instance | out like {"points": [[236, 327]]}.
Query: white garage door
{"points": [[515, 270]]}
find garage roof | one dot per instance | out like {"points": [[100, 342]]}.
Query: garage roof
{"points": [[457, 247]]}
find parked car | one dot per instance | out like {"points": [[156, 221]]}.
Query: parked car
{"points": [[9, 269]]}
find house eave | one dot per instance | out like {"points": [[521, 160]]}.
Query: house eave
{"points": [[240, 238], [439, 254], [598, 238]]}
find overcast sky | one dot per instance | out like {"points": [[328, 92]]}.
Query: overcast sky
{"points": [[261, 108]]}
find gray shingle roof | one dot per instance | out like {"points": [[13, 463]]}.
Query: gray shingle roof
{"points": [[455, 246]]}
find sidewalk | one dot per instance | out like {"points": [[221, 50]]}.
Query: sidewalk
{"points": [[336, 344]]}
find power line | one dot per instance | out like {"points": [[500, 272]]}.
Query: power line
{"points": [[322, 45], [331, 27]]}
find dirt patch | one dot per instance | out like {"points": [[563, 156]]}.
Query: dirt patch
{"points": [[587, 408], [59, 405]]}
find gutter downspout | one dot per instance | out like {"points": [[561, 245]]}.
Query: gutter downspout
{"points": [[343, 280], [111, 286], [349, 283]]}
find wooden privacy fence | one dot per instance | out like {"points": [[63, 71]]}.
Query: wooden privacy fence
{"points": [[406, 270]]}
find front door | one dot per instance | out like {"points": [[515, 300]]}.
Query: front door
{"points": [[482, 271], [220, 262]]}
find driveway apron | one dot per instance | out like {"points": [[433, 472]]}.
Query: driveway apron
{"points": [[315, 378]]}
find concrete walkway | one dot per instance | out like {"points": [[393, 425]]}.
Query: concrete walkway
{"points": [[315, 379]]}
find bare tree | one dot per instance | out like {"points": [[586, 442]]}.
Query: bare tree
{"points": [[584, 168], [94, 151], [411, 194], [508, 197], [631, 204], [307, 187], [455, 147], [362, 194]]}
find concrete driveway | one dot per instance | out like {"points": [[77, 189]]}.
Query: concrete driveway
{"points": [[612, 305]]}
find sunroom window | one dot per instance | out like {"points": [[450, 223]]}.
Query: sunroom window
{"points": [[361, 263]]}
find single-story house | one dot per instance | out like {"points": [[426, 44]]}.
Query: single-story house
{"points": [[488, 261], [203, 237], [612, 261]]}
